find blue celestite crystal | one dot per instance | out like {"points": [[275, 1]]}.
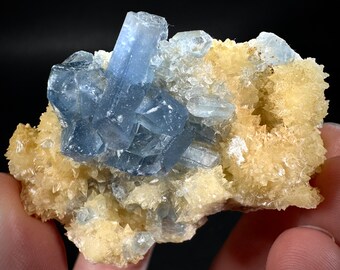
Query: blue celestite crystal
{"points": [[81, 141], [136, 45], [161, 113], [196, 43], [213, 109], [117, 116], [128, 70], [152, 153], [65, 88], [199, 156], [273, 49]]}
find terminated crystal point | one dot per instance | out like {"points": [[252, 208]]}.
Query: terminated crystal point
{"points": [[136, 45], [213, 109], [78, 60], [140, 244], [273, 50], [199, 156], [128, 70], [73, 89], [196, 43]]}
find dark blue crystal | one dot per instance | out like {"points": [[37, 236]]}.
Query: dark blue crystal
{"points": [[81, 141], [74, 89], [151, 153]]}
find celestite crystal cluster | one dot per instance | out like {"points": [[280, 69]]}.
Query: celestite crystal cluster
{"points": [[140, 145], [119, 117]]}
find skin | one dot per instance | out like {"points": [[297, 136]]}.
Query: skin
{"points": [[291, 239]]}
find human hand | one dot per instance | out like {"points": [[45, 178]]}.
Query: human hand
{"points": [[292, 239]]}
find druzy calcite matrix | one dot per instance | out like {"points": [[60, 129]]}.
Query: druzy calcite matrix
{"points": [[139, 145]]}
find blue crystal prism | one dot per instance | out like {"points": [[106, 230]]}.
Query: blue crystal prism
{"points": [[128, 70], [136, 45]]}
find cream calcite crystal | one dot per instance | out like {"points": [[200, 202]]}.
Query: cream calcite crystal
{"points": [[282, 107], [263, 155]]}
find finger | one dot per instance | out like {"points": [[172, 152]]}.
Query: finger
{"points": [[326, 215], [330, 133], [26, 242], [249, 243], [304, 248], [83, 264]]}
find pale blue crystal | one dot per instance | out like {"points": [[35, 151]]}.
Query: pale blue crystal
{"points": [[73, 89], [128, 70], [151, 153], [176, 147], [119, 191], [197, 155], [138, 245], [136, 45], [84, 215], [273, 49], [147, 143], [116, 133], [196, 43], [161, 113], [78, 60], [213, 109], [202, 132], [91, 85]]}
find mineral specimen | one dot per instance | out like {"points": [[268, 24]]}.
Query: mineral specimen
{"points": [[138, 146]]}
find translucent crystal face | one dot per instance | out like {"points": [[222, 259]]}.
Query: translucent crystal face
{"points": [[120, 117], [195, 43], [273, 50]]}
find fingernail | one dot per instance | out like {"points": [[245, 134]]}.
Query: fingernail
{"points": [[333, 124], [320, 230]]}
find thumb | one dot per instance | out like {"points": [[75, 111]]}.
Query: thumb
{"points": [[83, 264]]}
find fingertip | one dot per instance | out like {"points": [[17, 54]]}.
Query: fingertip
{"points": [[332, 125], [83, 264], [326, 215], [27, 243], [330, 133], [9, 192], [303, 248], [8, 181]]}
